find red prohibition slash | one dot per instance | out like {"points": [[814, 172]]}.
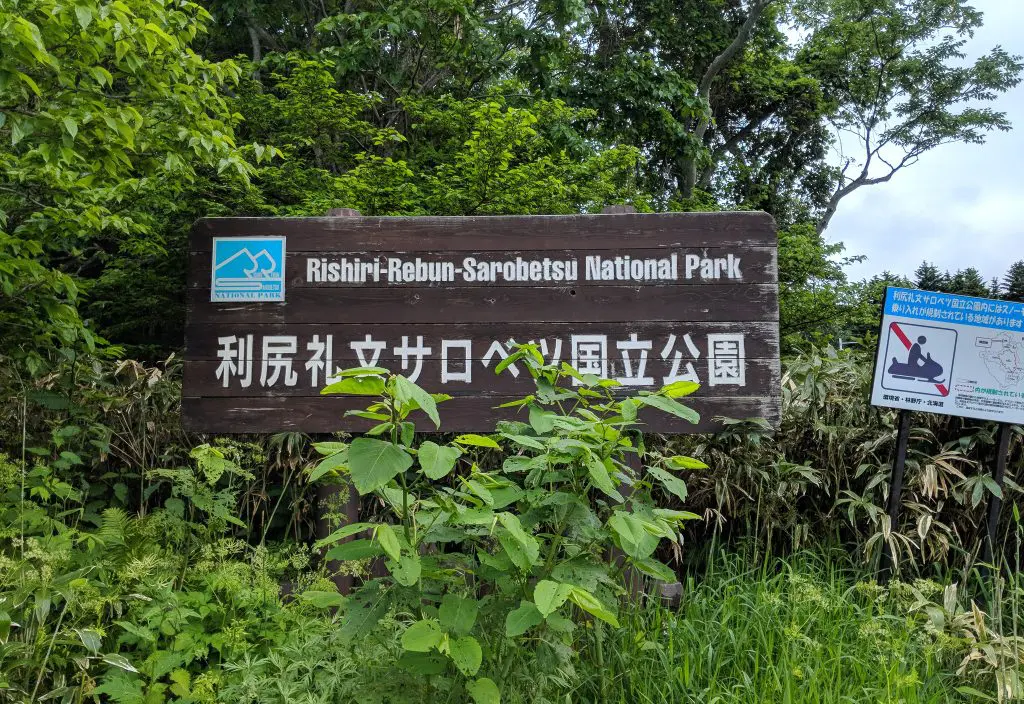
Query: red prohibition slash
{"points": [[895, 327]]}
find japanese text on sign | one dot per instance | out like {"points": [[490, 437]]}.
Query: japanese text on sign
{"points": [[288, 361]]}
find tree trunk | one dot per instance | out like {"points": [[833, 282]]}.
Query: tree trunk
{"points": [[688, 178]]}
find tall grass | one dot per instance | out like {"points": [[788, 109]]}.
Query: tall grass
{"points": [[803, 630]]}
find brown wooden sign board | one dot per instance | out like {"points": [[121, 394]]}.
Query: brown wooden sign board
{"points": [[278, 305]]}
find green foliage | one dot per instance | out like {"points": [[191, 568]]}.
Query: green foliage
{"points": [[1014, 282], [538, 531], [104, 111], [97, 602], [900, 81], [811, 286]]}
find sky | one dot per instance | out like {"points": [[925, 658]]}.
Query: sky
{"points": [[961, 205]]}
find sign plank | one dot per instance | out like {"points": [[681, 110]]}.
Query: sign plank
{"points": [[462, 414], [498, 233], [278, 305], [743, 302], [355, 269]]}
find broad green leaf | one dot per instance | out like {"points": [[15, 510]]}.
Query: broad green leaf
{"points": [[484, 691], [422, 636], [331, 463], [601, 479], [90, 638], [408, 391], [476, 517], [670, 406], [343, 532], [423, 663], [389, 541], [522, 619], [531, 547], [656, 569], [678, 516], [683, 462], [560, 624], [458, 614], [506, 495], [119, 661], [509, 361], [356, 385], [5, 626], [480, 491], [437, 460], [465, 652], [362, 612], [548, 596], [477, 440], [84, 15], [634, 539], [407, 570], [373, 463], [524, 440], [541, 421], [367, 414], [518, 553], [29, 81], [71, 126], [322, 600], [583, 572], [354, 550], [628, 409], [678, 389], [592, 605], [674, 484], [992, 486], [330, 447], [380, 429]]}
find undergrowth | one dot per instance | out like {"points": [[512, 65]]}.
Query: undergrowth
{"points": [[138, 564]]}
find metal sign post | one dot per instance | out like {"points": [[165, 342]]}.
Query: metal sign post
{"points": [[886, 563], [995, 502]]}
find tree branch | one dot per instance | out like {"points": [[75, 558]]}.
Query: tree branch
{"points": [[738, 42], [717, 65]]}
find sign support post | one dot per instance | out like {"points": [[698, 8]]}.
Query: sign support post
{"points": [[995, 502], [327, 494], [886, 564]]}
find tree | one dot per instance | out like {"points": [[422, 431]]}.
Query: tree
{"points": [[811, 287], [104, 109], [863, 302], [895, 71], [929, 278], [709, 93], [1013, 283], [968, 282], [995, 287]]}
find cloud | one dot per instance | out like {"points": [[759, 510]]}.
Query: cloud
{"points": [[961, 205]]}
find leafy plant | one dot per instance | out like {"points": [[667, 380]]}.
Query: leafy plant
{"points": [[485, 556]]}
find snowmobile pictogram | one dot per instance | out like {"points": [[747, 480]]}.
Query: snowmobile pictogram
{"points": [[918, 367]]}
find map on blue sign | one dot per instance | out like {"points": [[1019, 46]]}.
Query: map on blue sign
{"points": [[248, 269]]}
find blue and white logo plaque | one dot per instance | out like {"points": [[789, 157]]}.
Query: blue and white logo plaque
{"points": [[247, 269]]}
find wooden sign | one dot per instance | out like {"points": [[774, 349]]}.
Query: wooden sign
{"points": [[277, 305]]}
